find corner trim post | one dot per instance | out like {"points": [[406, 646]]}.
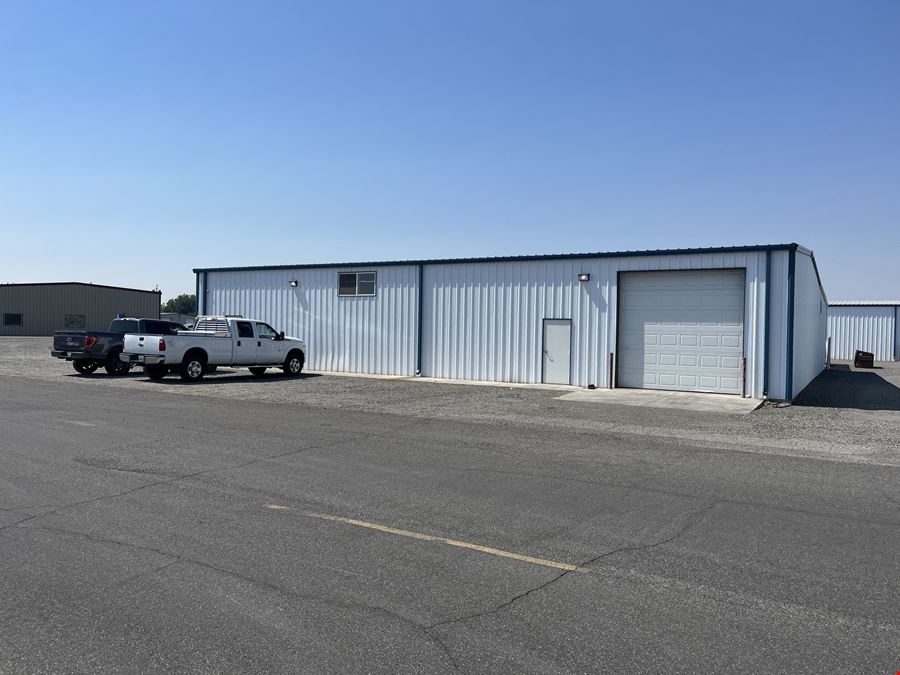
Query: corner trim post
{"points": [[420, 319], [766, 324], [789, 361]]}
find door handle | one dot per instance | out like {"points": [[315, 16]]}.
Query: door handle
{"points": [[239, 343], [258, 343]]}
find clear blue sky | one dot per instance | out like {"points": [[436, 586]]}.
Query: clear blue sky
{"points": [[141, 139]]}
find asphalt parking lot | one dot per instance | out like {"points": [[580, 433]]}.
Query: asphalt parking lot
{"points": [[342, 524]]}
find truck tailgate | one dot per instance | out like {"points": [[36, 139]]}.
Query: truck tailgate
{"points": [[68, 340], [144, 344]]}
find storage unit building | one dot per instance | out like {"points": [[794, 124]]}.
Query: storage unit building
{"points": [[871, 326], [41, 309], [747, 320]]}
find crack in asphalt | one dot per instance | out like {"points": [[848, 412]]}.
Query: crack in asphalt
{"points": [[178, 558], [637, 487], [248, 579], [175, 479], [134, 577], [689, 521], [684, 528]]}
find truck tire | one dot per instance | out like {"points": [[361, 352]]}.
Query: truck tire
{"points": [[193, 366], [85, 366], [258, 370], [115, 366], [293, 364], [156, 372]]}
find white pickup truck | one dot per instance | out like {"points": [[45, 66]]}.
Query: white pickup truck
{"points": [[215, 341]]}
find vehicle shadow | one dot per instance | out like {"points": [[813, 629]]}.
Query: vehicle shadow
{"points": [[101, 374], [232, 377], [842, 387]]}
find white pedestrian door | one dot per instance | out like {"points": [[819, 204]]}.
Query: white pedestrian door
{"points": [[681, 330], [557, 348]]}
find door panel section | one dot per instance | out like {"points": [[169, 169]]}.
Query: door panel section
{"points": [[244, 344], [269, 351]]}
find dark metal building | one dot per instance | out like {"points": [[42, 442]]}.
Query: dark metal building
{"points": [[40, 309]]}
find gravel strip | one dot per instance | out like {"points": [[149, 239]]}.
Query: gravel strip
{"points": [[845, 415]]}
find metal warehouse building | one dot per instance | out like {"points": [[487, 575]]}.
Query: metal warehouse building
{"points": [[869, 326], [746, 320], [40, 309]]}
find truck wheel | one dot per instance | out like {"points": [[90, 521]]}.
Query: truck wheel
{"points": [[115, 366], [258, 370], [192, 368], [84, 366], [293, 364], [156, 372]]}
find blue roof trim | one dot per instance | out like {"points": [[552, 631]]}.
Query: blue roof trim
{"points": [[812, 257], [514, 258]]}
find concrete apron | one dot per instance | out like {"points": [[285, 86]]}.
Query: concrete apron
{"points": [[655, 398]]}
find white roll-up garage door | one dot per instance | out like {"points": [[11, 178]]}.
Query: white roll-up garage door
{"points": [[681, 330]]}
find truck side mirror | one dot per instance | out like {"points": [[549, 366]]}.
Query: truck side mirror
{"points": [[281, 335]]}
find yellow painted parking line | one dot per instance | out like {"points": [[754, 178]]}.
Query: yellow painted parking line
{"points": [[421, 536]]}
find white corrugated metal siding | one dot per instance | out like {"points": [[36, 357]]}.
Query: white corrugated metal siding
{"points": [[866, 327], [362, 334], [778, 314], [483, 321], [810, 324]]}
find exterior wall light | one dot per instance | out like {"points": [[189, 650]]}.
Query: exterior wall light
{"points": [[293, 283], [584, 276]]}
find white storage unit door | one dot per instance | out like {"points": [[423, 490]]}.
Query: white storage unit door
{"points": [[681, 330]]}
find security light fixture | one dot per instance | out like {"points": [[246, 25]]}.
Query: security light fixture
{"points": [[293, 283], [584, 276]]}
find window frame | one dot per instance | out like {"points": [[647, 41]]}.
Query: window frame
{"points": [[356, 293]]}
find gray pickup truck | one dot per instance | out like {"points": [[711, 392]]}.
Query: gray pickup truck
{"points": [[88, 350]]}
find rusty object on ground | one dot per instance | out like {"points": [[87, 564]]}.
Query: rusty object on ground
{"points": [[863, 359]]}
